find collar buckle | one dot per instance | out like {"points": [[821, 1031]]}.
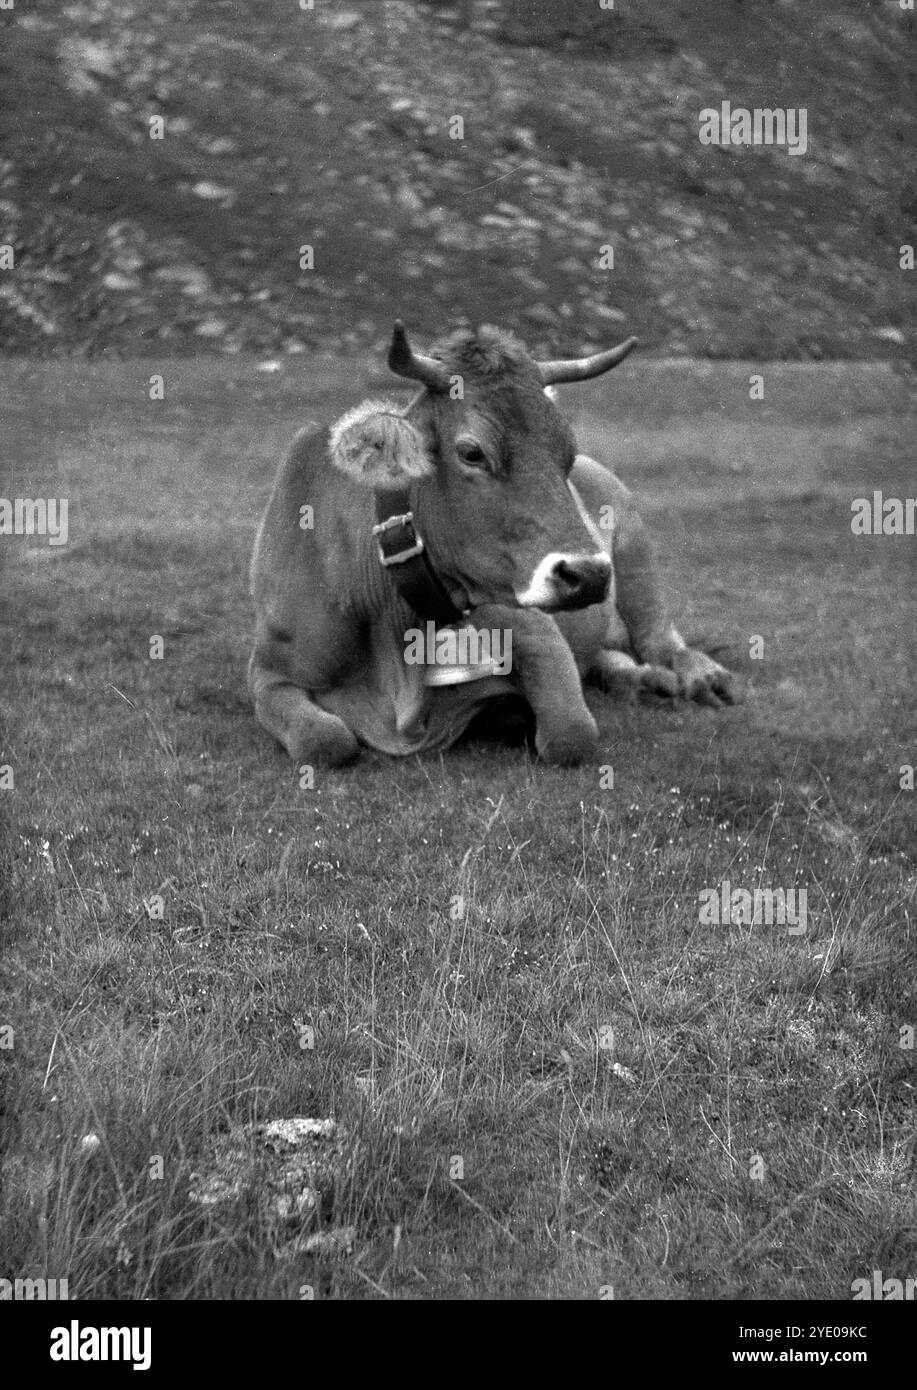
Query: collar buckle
{"points": [[414, 545]]}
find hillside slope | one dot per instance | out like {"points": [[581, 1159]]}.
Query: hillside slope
{"points": [[332, 127]]}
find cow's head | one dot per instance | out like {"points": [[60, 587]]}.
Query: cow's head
{"points": [[487, 456]]}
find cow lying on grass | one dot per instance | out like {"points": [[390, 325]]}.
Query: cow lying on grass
{"points": [[469, 506]]}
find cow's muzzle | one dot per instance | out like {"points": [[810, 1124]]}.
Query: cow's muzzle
{"points": [[567, 581], [582, 582]]}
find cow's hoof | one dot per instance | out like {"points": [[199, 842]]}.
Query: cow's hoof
{"points": [[625, 683], [568, 747], [702, 679], [331, 745], [658, 680]]}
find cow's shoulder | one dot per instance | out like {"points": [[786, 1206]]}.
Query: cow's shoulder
{"points": [[614, 508], [600, 488]]}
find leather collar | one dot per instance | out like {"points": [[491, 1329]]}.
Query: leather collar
{"points": [[406, 560]]}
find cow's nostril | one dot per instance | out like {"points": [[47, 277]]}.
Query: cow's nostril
{"points": [[583, 581]]}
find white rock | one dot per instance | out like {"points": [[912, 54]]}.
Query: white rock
{"points": [[114, 280], [213, 191]]}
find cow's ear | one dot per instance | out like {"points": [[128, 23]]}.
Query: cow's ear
{"points": [[378, 446]]}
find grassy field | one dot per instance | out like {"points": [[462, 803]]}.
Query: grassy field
{"points": [[640, 1101]]}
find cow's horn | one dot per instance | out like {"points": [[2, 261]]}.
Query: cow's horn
{"points": [[404, 361], [582, 368]]}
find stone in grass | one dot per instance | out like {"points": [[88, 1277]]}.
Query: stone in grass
{"points": [[289, 1166], [114, 280], [343, 20], [191, 279], [891, 335], [214, 192], [331, 1244], [211, 328]]}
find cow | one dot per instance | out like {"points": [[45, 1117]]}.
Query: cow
{"points": [[468, 506]]}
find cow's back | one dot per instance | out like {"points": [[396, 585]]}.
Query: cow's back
{"points": [[306, 569]]}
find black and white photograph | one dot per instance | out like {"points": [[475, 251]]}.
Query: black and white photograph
{"points": [[458, 548]]}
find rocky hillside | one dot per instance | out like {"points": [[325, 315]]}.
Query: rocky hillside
{"points": [[453, 161]]}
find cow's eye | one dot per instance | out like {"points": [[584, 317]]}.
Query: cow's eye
{"points": [[470, 452]]}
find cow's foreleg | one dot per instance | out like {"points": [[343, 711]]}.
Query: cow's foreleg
{"points": [[309, 734], [625, 678], [544, 672], [657, 643]]}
